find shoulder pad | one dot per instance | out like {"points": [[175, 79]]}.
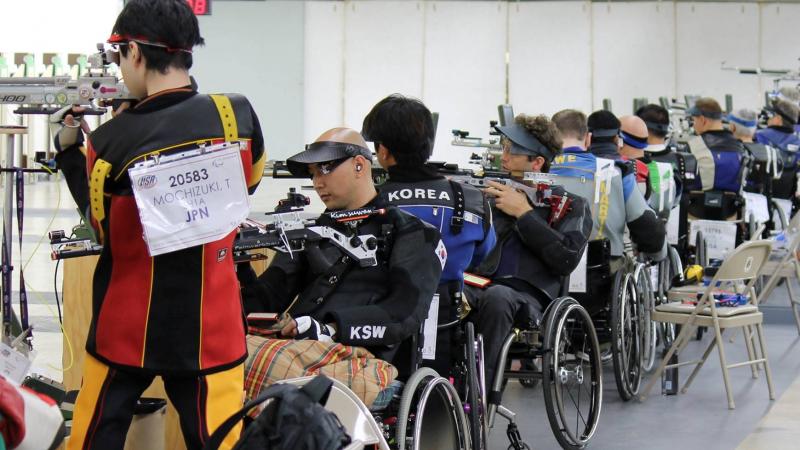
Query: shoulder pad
{"points": [[474, 199], [626, 167], [241, 106]]}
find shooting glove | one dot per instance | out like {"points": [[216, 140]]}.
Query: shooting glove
{"points": [[65, 136], [308, 328]]}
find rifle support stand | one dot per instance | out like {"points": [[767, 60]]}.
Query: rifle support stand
{"points": [[10, 133]]}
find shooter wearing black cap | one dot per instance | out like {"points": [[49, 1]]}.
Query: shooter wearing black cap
{"points": [[531, 257]]}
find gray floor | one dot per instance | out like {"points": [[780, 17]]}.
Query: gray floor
{"points": [[699, 419]]}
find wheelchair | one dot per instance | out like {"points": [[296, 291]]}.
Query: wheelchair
{"points": [[437, 412], [427, 413], [619, 298], [766, 177], [566, 344]]}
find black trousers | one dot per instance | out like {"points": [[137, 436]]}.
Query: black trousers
{"points": [[499, 307]]}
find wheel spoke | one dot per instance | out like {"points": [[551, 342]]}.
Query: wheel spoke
{"points": [[578, 408]]}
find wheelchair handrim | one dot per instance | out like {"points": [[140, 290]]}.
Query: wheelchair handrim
{"points": [[596, 392], [625, 339]]}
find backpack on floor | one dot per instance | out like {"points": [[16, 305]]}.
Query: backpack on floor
{"points": [[294, 419]]}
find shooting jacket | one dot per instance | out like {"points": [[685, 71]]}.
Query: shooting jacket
{"points": [[783, 139], [531, 255], [373, 307], [180, 312], [719, 160], [621, 204], [460, 212]]}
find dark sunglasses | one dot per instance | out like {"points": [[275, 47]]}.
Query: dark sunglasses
{"points": [[326, 168]]}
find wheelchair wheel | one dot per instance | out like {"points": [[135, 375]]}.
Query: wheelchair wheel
{"points": [[649, 334], [675, 264], [475, 390], [572, 376], [781, 216], [667, 331], [430, 414], [626, 336]]}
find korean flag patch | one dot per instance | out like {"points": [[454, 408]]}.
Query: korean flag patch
{"points": [[441, 253]]}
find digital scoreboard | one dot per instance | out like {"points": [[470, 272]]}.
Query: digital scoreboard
{"points": [[200, 7]]}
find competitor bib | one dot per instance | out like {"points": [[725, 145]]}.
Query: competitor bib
{"points": [[191, 198]]}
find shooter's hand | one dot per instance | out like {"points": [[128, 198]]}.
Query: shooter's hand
{"points": [[507, 199], [305, 327], [67, 126]]}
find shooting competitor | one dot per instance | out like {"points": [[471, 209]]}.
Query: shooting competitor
{"points": [[659, 184], [622, 203], [537, 245], [782, 118], [177, 314], [338, 301], [720, 156], [459, 211]]}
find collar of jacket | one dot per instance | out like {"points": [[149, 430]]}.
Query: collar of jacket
{"points": [[163, 99], [413, 173], [574, 149], [605, 150], [664, 152], [376, 202], [719, 133], [782, 129]]}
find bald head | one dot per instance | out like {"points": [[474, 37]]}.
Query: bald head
{"points": [[634, 137], [339, 163], [343, 135], [634, 126]]}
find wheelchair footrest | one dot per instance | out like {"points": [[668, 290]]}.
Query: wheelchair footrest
{"points": [[514, 438], [494, 397]]}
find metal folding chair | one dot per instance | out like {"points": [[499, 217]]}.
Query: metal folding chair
{"points": [[785, 266], [743, 265]]}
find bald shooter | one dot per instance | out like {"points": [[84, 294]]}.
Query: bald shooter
{"points": [[633, 132], [361, 188]]}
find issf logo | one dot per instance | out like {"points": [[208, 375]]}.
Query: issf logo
{"points": [[147, 181]]}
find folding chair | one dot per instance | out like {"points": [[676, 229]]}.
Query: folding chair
{"points": [[743, 264], [785, 266]]}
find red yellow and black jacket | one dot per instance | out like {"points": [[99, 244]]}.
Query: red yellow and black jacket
{"points": [[179, 312]]}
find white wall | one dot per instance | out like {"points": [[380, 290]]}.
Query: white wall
{"points": [[780, 45], [464, 69], [710, 34], [257, 49], [54, 26], [550, 56], [324, 93], [451, 54], [309, 66], [633, 49]]}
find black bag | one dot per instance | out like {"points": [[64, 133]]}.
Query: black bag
{"points": [[294, 420]]}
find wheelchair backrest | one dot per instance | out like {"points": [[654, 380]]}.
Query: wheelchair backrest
{"points": [[715, 205], [766, 163]]}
